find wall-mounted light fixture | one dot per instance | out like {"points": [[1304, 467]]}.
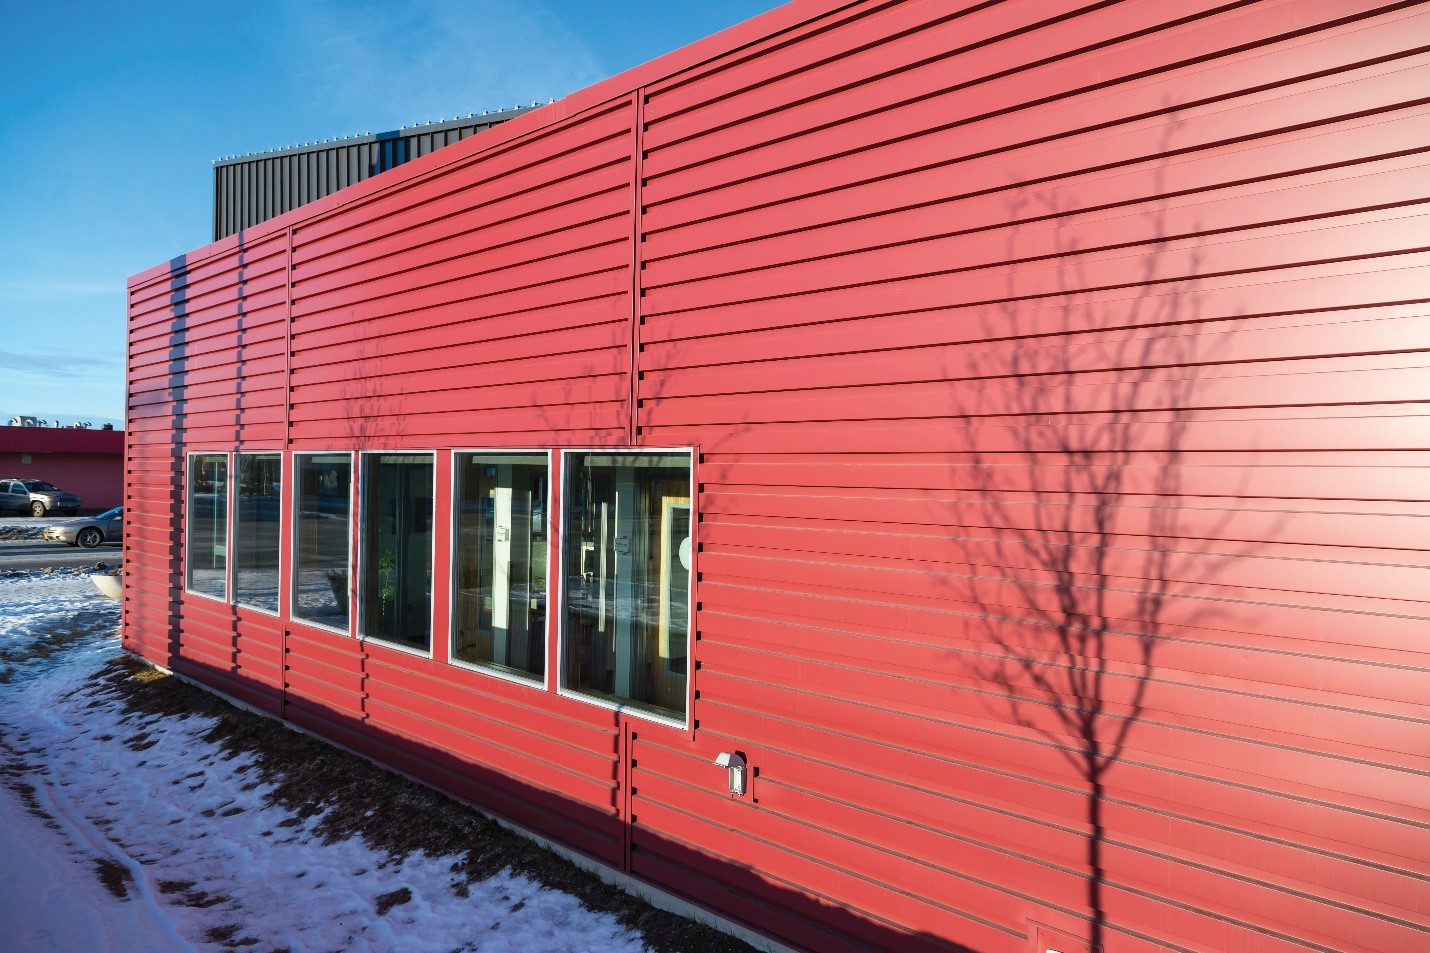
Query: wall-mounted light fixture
{"points": [[733, 762]]}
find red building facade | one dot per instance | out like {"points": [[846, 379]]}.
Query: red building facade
{"points": [[87, 463], [1003, 426]]}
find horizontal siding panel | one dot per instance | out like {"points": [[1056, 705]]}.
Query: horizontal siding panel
{"points": [[983, 198], [1054, 52], [1056, 374], [571, 222], [598, 346], [1268, 248], [1130, 692], [1397, 280], [492, 216], [1113, 392], [599, 273], [207, 275], [415, 195], [1282, 99], [1310, 523], [1190, 432], [745, 364], [499, 710], [1012, 564], [462, 329], [393, 713], [1057, 829], [1291, 816], [859, 882], [1377, 475], [1378, 685], [604, 253], [973, 232]]}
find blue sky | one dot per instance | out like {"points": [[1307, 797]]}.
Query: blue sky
{"points": [[111, 114]]}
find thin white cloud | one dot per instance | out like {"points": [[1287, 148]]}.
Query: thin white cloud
{"points": [[70, 365]]}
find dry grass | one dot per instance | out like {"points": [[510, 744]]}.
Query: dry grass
{"points": [[352, 797]]}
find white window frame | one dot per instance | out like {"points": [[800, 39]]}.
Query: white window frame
{"points": [[228, 523], [292, 542], [628, 708], [542, 682], [283, 477], [355, 560]]}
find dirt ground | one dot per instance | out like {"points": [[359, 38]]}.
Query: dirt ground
{"points": [[353, 797]]}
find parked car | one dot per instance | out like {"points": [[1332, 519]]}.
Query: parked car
{"points": [[14, 497], [88, 531], [39, 497]]}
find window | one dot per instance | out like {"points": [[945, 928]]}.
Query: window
{"points": [[322, 524], [627, 555], [499, 562], [207, 535], [258, 486], [395, 597]]}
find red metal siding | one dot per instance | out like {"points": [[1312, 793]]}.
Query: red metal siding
{"points": [[1058, 375]]}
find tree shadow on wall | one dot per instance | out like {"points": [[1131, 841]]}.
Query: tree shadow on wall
{"points": [[1083, 559]]}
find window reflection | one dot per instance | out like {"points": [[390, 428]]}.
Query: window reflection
{"points": [[258, 487], [500, 562], [208, 524], [396, 532], [321, 526], [627, 574]]}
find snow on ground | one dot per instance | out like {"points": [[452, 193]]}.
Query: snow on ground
{"points": [[129, 832]]}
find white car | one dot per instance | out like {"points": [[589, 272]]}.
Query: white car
{"points": [[88, 531]]}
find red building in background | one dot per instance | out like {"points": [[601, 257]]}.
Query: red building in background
{"points": [[995, 432], [87, 463]]}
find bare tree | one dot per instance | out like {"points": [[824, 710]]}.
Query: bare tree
{"points": [[1077, 409]]}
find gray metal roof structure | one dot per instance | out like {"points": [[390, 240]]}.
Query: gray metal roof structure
{"points": [[253, 188]]}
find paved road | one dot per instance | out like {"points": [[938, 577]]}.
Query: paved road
{"points": [[31, 554]]}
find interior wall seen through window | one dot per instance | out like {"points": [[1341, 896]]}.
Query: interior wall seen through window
{"points": [[258, 501], [626, 568], [207, 534], [322, 523], [395, 595], [499, 562]]}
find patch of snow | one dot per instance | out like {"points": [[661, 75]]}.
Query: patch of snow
{"points": [[186, 833]]}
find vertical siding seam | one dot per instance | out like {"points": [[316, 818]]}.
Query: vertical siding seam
{"points": [[627, 799], [128, 457], [285, 579], [288, 344], [637, 173]]}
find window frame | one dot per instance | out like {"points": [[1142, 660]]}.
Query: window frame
{"points": [[357, 540], [283, 550], [541, 683], [628, 708], [189, 456], [292, 542]]}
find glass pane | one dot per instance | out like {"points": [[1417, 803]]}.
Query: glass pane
{"points": [[396, 532], [208, 524], [259, 492], [321, 525], [627, 570], [500, 562]]}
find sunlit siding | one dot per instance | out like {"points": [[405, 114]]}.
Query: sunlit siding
{"points": [[438, 301], [1056, 374], [991, 325]]}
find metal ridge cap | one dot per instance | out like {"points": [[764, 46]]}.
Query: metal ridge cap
{"points": [[474, 119]]}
